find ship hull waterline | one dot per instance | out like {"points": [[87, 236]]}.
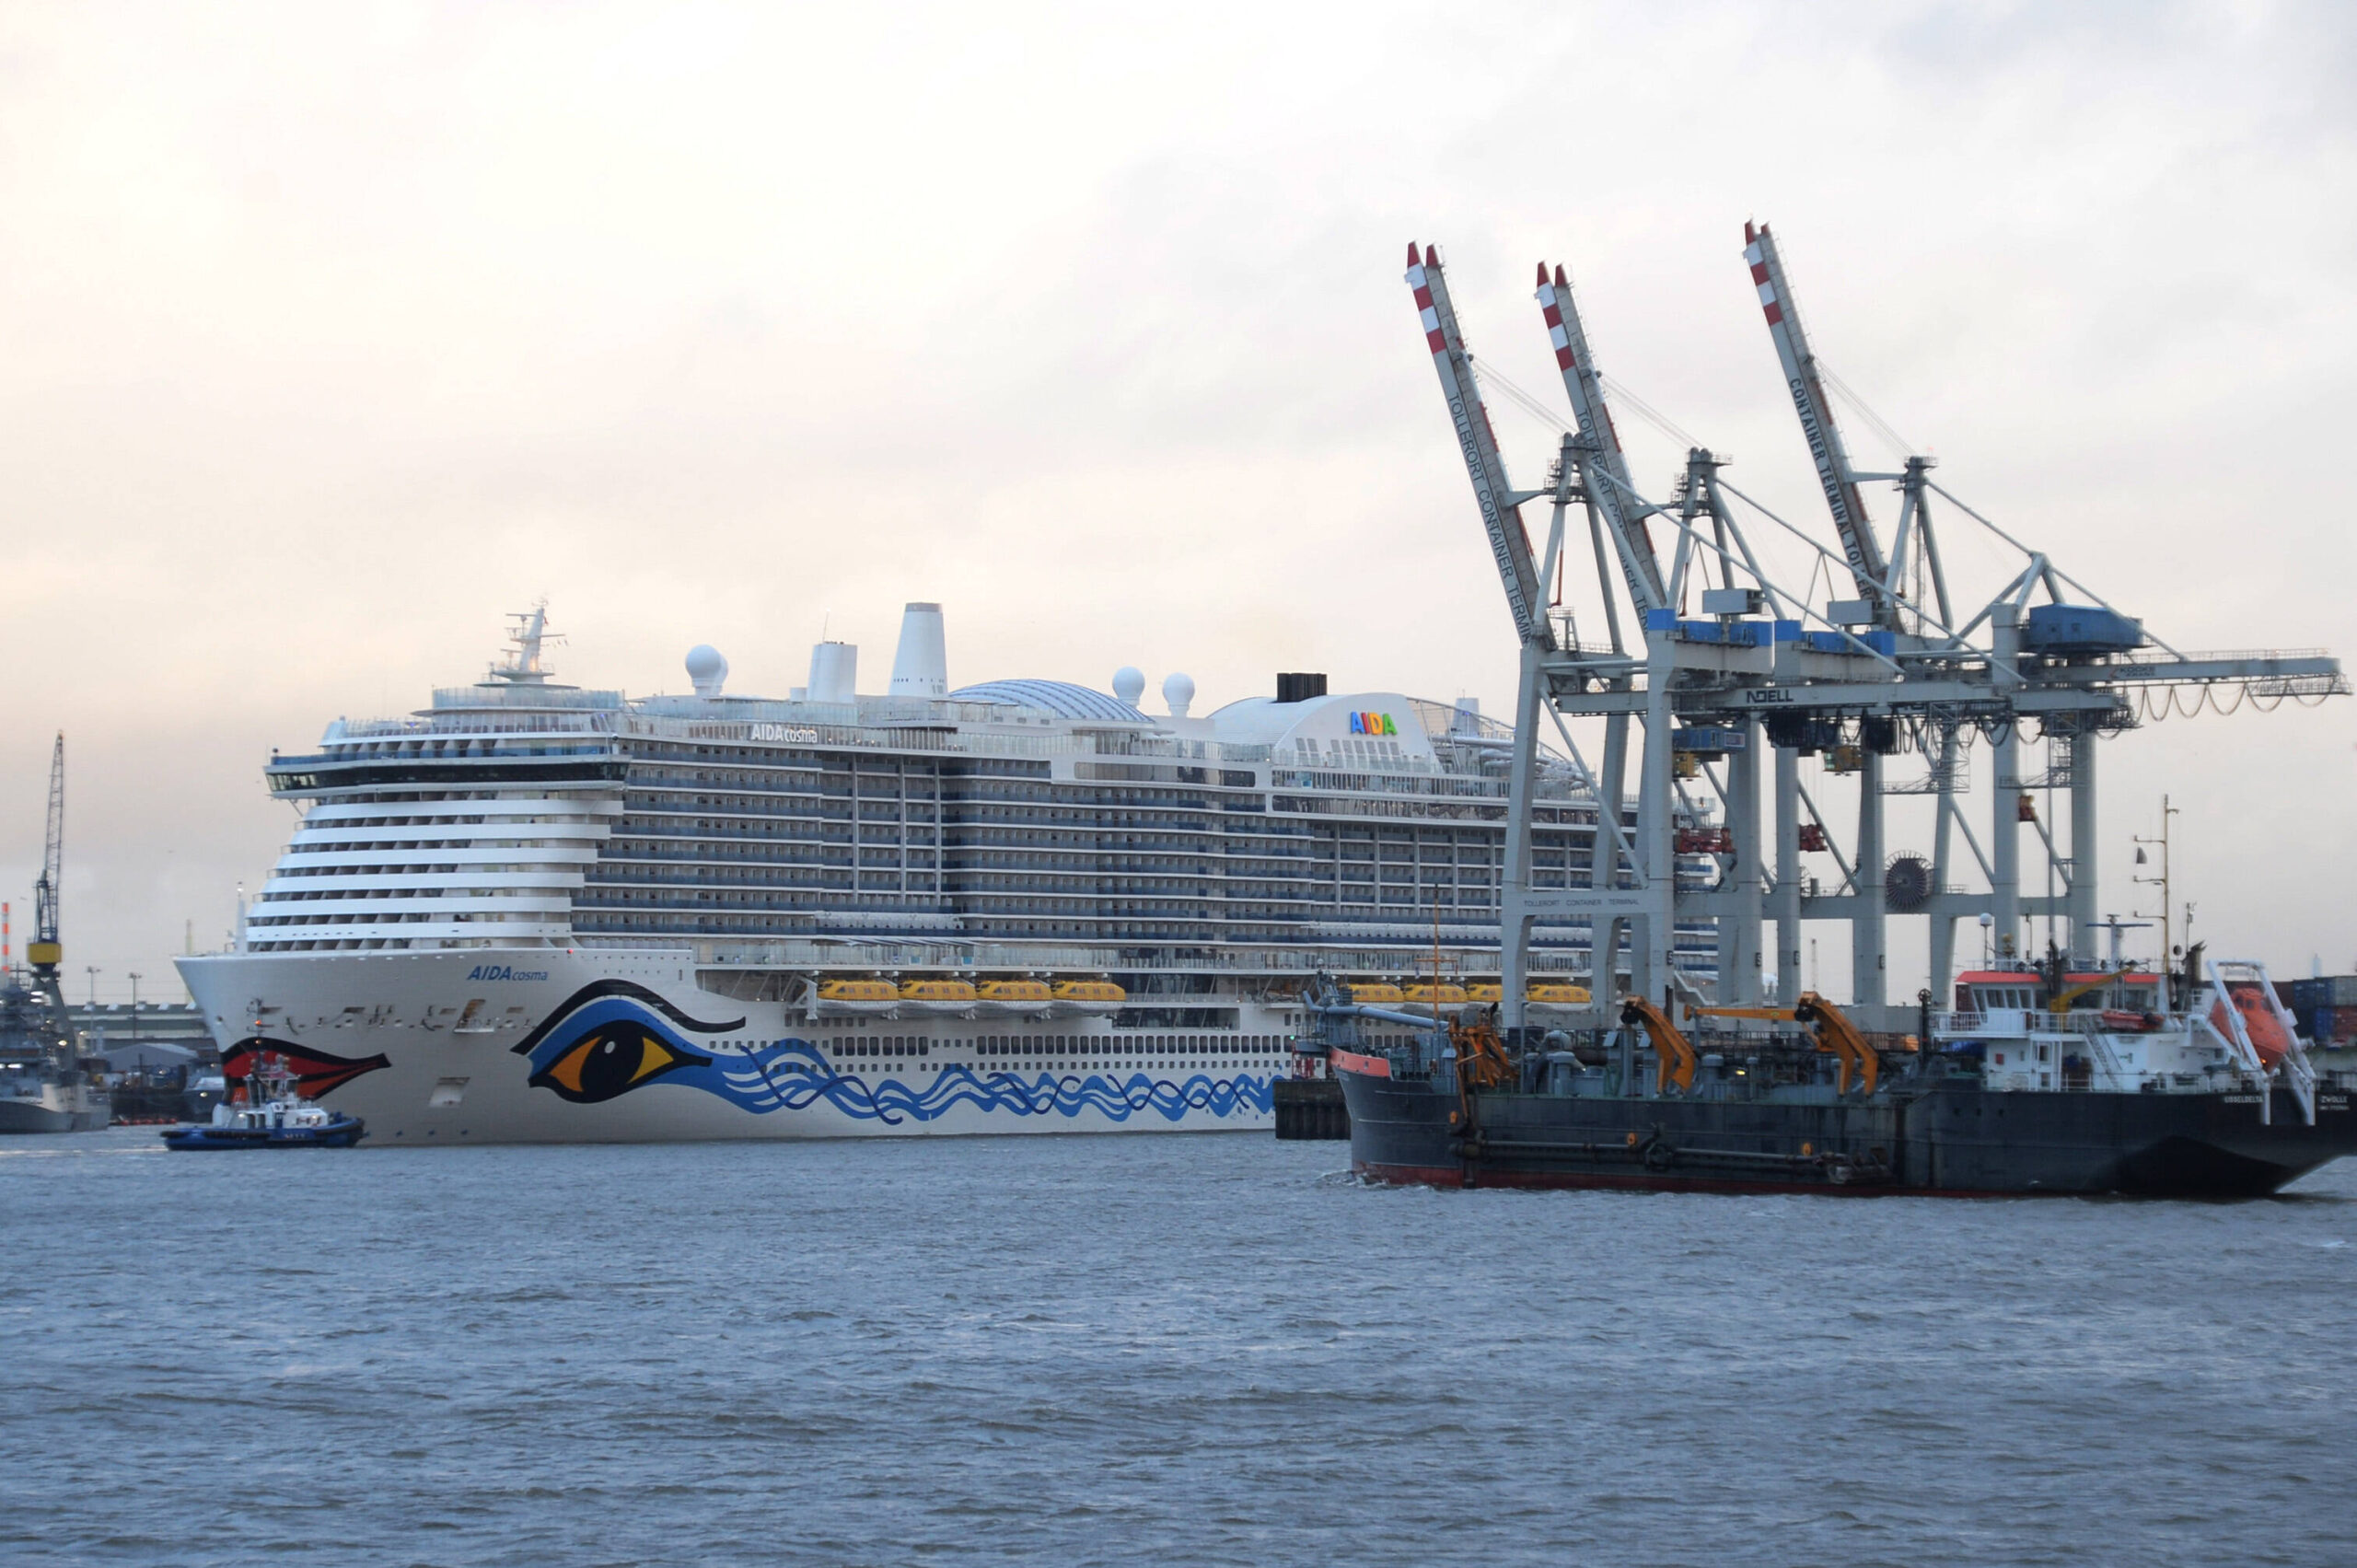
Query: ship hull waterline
{"points": [[1951, 1139]]}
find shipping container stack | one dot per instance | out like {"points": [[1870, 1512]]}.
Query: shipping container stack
{"points": [[2326, 1008]]}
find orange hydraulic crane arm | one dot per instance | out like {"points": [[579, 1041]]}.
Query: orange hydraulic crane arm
{"points": [[1676, 1057], [1481, 1058], [1837, 1032]]}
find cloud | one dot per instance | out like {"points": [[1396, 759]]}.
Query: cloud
{"points": [[332, 334]]}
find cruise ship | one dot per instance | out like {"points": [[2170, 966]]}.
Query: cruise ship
{"points": [[536, 912]]}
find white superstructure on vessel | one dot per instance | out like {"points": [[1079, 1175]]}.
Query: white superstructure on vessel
{"points": [[536, 912]]}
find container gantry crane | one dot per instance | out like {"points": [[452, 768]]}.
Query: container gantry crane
{"points": [[1875, 581], [1887, 671], [1522, 905]]}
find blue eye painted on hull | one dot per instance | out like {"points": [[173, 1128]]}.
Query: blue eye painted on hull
{"points": [[612, 1038], [613, 1060]]}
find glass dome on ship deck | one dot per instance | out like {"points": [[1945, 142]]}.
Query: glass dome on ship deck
{"points": [[1061, 698]]}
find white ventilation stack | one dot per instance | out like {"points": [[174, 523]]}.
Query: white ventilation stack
{"points": [[834, 672], [921, 665]]}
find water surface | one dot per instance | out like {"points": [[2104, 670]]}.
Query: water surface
{"points": [[1182, 1348]]}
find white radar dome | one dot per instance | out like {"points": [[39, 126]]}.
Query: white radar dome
{"points": [[707, 669], [1129, 684], [1179, 691]]}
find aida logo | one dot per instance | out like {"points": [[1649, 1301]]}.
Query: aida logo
{"points": [[503, 971], [1373, 723]]}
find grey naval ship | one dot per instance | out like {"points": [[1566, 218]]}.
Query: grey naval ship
{"points": [[531, 911]]}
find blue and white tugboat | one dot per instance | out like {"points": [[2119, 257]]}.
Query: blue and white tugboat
{"points": [[269, 1114]]}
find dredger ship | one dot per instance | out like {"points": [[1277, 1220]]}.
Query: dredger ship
{"points": [[2035, 1081], [532, 911]]}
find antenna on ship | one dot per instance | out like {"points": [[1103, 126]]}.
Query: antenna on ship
{"points": [[529, 633]]}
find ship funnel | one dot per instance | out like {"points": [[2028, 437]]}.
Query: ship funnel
{"points": [[834, 672], [921, 665]]}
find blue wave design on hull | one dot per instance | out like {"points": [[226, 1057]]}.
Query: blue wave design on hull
{"points": [[793, 1076], [614, 1039]]}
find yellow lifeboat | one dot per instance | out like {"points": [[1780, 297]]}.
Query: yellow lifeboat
{"points": [[943, 998], [1484, 993], [1378, 993], [853, 998], [1076, 998], [1446, 994], [1013, 998], [1556, 998]]}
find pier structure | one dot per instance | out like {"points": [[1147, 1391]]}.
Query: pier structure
{"points": [[1904, 664]]}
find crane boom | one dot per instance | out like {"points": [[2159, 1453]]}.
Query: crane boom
{"points": [[42, 951], [1832, 460], [1501, 516], [1852, 1051], [1675, 1054], [1610, 488]]}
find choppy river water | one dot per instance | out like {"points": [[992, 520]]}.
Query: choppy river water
{"points": [[1206, 1349]]}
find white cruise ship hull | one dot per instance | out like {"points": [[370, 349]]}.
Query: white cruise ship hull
{"points": [[541, 1045]]}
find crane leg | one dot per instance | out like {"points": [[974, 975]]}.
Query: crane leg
{"points": [[1869, 957], [1787, 898], [1514, 958], [1604, 936], [2082, 848]]}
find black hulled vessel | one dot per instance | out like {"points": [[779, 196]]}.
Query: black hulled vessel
{"points": [[2035, 1083]]}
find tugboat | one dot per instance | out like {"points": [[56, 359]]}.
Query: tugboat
{"points": [[267, 1113], [2037, 1081]]}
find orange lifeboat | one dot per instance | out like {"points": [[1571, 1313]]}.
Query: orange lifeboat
{"points": [[2266, 1033]]}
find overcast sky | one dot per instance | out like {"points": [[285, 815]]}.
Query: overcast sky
{"points": [[334, 333]]}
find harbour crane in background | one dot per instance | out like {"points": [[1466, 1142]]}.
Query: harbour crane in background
{"points": [[1523, 902], [1859, 679], [43, 954]]}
